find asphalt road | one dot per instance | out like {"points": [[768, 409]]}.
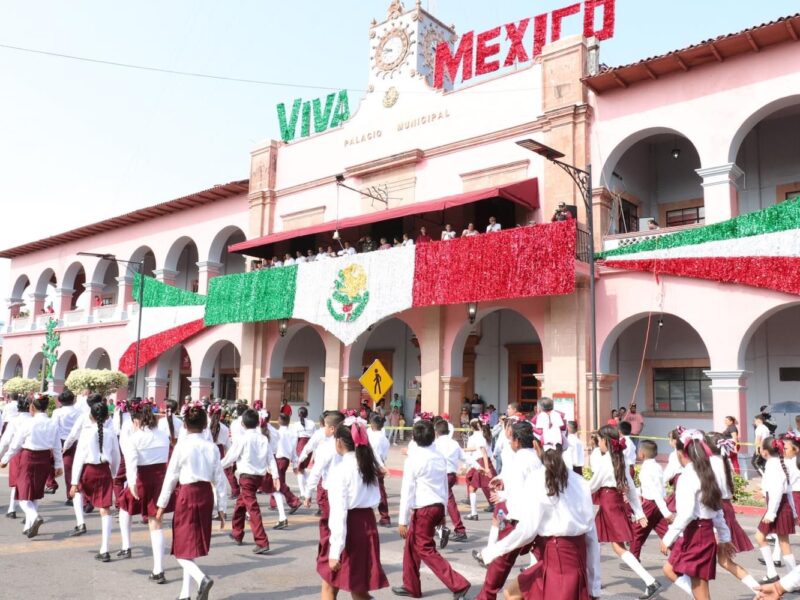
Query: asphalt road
{"points": [[56, 566]]}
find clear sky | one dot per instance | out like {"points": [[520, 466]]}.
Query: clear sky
{"points": [[80, 142]]}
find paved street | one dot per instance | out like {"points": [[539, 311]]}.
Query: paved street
{"points": [[56, 566]]}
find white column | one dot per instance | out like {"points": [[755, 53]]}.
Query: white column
{"points": [[201, 386], [166, 276], [207, 269], [124, 296], [729, 393], [720, 192]]}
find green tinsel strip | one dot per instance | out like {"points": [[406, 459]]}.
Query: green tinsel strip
{"points": [[157, 293], [781, 217], [248, 297]]}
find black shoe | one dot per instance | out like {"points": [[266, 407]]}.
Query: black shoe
{"points": [[103, 557], [236, 540], [124, 553], [650, 591], [458, 537], [445, 538], [765, 580], [11, 515], [88, 507], [462, 594], [78, 530], [68, 502], [401, 591], [472, 517], [50, 491], [205, 587], [261, 549], [478, 558], [489, 509], [34, 530], [157, 578], [282, 525], [777, 563], [294, 509]]}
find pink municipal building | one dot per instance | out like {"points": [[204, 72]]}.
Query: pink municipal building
{"points": [[692, 137]]}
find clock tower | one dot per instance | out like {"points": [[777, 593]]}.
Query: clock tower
{"points": [[403, 48]]}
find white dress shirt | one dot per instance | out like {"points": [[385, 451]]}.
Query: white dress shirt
{"points": [[37, 433], [630, 451], [448, 235], [688, 507], [144, 447], [651, 477], [568, 514], [573, 454], [313, 443], [65, 418], [408, 242], [380, 445], [674, 467], [119, 427], [347, 491], [236, 428], [325, 457], [177, 425], [286, 445], [491, 228], [718, 466], [195, 459], [604, 477], [12, 427], [206, 435], [250, 451], [424, 482], [774, 485], [594, 459], [85, 422], [453, 453], [88, 451], [475, 442], [303, 431], [223, 437], [521, 466], [794, 474]]}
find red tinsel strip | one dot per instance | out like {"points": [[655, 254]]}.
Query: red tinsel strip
{"points": [[155, 345], [559, 15], [539, 33], [777, 273], [527, 261], [609, 19]]}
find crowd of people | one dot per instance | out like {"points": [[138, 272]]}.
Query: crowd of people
{"points": [[529, 469], [368, 244]]}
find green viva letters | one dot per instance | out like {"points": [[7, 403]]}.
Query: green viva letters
{"points": [[325, 116]]}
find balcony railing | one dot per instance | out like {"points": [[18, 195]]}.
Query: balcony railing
{"points": [[620, 240], [73, 317], [104, 314], [21, 324], [582, 245]]}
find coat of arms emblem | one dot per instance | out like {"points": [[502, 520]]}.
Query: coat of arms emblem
{"points": [[350, 295]]}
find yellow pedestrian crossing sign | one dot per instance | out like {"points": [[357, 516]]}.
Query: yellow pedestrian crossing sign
{"points": [[376, 380]]}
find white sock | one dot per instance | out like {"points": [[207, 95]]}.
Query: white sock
{"points": [[438, 531], [630, 560], [29, 508], [157, 542], [11, 499], [473, 503], [125, 529], [750, 582], [281, 508], [532, 558], [190, 567], [766, 552], [684, 582], [106, 522], [494, 532], [185, 587], [789, 562], [776, 549], [301, 481], [77, 506]]}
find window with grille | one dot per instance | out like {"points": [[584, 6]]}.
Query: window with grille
{"points": [[294, 386], [528, 386], [686, 216], [681, 389]]}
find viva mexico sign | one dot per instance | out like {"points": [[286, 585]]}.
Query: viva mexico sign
{"points": [[333, 112], [481, 54]]}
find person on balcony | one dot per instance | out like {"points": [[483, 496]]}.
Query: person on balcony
{"points": [[423, 237], [470, 231], [448, 233], [367, 244], [276, 262], [652, 224], [561, 214], [347, 250], [299, 258], [493, 225], [288, 261], [310, 256], [407, 241], [385, 245]]}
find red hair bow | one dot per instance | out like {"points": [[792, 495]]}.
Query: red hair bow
{"points": [[258, 405], [191, 404], [778, 445], [618, 445], [215, 408], [359, 434]]}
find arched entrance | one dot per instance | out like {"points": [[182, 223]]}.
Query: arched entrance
{"points": [[218, 252], [171, 376], [67, 362], [98, 359], [35, 366], [298, 365], [221, 365], [182, 260], [13, 367]]}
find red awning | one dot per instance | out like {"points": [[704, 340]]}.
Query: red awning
{"points": [[524, 192]]}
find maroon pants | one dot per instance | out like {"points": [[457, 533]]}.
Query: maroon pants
{"points": [[420, 547], [383, 505], [247, 502], [452, 507], [655, 520], [291, 499], [497, 572], [734, 456], [230, 474]]}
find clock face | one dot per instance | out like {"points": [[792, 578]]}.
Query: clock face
{"points": [[392, 50]]}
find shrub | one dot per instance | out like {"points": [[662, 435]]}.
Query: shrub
{"points": [[101, 381], [21, 385]]}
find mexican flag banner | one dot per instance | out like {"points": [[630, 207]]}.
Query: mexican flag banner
{"points": [[759, 249]]}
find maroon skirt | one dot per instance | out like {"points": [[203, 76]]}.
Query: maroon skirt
{"points": [[95, 484], [13, 470], [191, 523], [477, 479], [149, 481], [739, 538], [784, 520], [671, 496], [695, 552], [361, 569], [301, 444], [560, 573], [34, 469], [612, 521]]}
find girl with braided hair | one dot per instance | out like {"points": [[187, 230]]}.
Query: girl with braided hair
{"points": [[221, 437], [780, 516], [171, 423], [96, 462], [123, 426], [611, 483], [689, 541], [146, 452], [12, 425]]}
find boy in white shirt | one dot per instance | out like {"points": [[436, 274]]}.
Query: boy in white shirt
{"points": [[285, 455], [454, 455], [575, 452], [654, 504], [630, 449], [380, 448]]}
